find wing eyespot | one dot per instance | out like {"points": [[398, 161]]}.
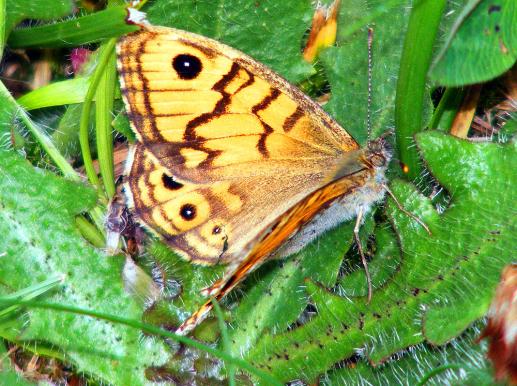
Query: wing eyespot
{"points": [[170, 183], [188, 212], [187, 66]]}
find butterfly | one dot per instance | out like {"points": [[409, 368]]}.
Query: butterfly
{"points": [[232, 164]]}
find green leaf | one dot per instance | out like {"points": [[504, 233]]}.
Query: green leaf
{"points": [[40, 241], [463, 362], [56, 94], [346, 67], [482, 218], [19, 10], [509, 129], [66, 135], [92, 28], [439, 276], [31, 293], [121, 124], [270, 31], [9, 112], [482, 44]]}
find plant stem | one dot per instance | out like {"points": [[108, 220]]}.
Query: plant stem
{"points": [[411, 87], [42, 138], [90, 232], [225, 339], [105, 56], [105, 95], [446, 110], [2, 27]]}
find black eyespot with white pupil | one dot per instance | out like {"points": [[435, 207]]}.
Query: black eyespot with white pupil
{"points": [[187, 66], [188, 212]]}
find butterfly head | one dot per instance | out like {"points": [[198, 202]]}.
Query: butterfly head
{"points": [[374, 157], [378, 153]]}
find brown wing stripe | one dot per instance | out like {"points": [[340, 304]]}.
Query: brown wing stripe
{"points": [[149, 116], [291, 120], [261, 145], [264, 103], [190, 137], [249, 82], [209, 52], [219, 108]]}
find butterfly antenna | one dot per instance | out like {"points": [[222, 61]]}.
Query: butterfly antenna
{"points": [[370, 64]]}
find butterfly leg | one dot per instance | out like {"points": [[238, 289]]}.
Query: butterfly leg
{"points": [[403, 210], [358, 223]]}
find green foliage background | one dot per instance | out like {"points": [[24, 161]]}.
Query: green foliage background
{"points": [[306, 317]]}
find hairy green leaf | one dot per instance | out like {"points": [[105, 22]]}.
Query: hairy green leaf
{"points": [[35, 9], [39, 241], [439, 276], [346, 66], [266, 306], [460, 362]]}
